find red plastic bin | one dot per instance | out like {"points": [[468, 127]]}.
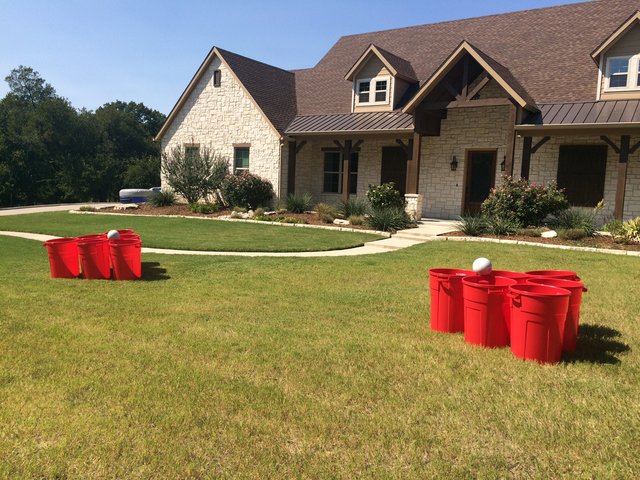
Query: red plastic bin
{"points": [[447, 310], [129, 236], [562, 274], [124, 230], [570, 334], [126, 259], [94, 258], [519, 277], [538, 314], [63, 257], [487, 310]]}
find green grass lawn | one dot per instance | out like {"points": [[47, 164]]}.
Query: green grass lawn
{"points": [[191, 234], [305, 368]]}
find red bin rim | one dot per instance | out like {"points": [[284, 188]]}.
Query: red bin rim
{"points": [[449, 272], [489, 281], [557, 282], [551, 273], [60, 241], [544, 291], [510, 274]]}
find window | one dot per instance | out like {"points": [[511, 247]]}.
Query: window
{"points": [[581, 172], [240, 159], [379, 95], [333, 172], [191, 150], [623, 73], [217, 76]]}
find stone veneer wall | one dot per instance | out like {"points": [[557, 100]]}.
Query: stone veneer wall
{"points": [[310, 167], [464, 129], [218, 117], [544, 169]]}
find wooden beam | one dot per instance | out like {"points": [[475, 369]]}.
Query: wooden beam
{"points": [[465, 78], [511, 140], [413, 165], [526, 158], [451, 90], [539, 144], [300, 145], [356, 146], [405, 146], [609, 142], [346, 158], [483, 102], [622, 175], [291, 168], [633, 149], [478, 87]]}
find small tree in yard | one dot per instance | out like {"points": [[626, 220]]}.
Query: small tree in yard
{"points": [[194, 174]]}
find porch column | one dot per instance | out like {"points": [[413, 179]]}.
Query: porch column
{"points": [[526, 158], [294, 149], [622, 176], [413, 164], [511, 140]]}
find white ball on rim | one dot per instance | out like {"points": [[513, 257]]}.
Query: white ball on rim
{"points": [[113, 234], [482, 266]]}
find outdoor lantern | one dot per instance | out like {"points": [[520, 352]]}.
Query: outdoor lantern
{"points": [[454, 164], [503, 164]]}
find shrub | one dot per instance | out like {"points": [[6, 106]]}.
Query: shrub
{"points": [[357, 220], [576, 219], [572, 234], [194, 175], [357, 206], [385, 196], [614, 227], [503, 226], [299, 202], [631, 229], [87, 208], [163, 198], [143, 172], [530, 232], [205, 208], [525, 203], [327, 210], [472, 225], [259, 212], [246, 190], [325, 218], [389, 219], [237, 209], [284, 219]]}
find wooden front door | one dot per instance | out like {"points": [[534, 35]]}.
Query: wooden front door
{"points": [[479, 179], [394, 167]]}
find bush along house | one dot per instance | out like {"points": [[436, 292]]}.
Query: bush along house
{"points": [[442, 110]]}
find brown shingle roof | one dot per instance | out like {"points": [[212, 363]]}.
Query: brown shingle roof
{"points": [[402, 66], [547, 50], [272, 88]]}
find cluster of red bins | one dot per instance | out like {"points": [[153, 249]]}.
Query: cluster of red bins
{"points": [[536, 312], [96, 255]]}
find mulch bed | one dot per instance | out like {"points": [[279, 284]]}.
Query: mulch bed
{"points": [[184, 210], [592, 242]]}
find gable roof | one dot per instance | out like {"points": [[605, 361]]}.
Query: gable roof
{"points": [[499, 72], [547, 50], [616, 35], [271, 89], [399, 67]]}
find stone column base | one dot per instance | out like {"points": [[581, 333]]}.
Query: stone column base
{"points": [[414, 205]]}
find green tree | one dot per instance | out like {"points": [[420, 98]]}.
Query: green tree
{"points": [[27, 85]]}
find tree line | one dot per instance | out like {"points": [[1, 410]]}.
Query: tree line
{"points": [[52, 152]]}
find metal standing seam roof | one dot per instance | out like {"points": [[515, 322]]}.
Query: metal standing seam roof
{"points": [[351, 122], [586, 113]]}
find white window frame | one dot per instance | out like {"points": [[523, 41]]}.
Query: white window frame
{"points": [[632, 74], [372, 90]]}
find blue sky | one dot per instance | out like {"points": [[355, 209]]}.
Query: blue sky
{"points": [[95, 51]]}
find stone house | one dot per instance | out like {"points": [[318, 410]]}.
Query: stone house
{"points": [[443, 110]]}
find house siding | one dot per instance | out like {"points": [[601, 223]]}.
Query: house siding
{"points": [[218, 117]]}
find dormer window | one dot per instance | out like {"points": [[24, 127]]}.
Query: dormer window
{"points": [[623, 73], [372, 91]]}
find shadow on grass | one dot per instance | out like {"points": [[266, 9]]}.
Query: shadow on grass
{"points": [[153, 272], [597, 344]]}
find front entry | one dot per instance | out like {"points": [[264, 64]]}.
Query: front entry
{"points": [[479, 179], [394, 167]]}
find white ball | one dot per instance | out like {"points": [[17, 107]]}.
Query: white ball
{"points": [[482, 266], [113, 234]]}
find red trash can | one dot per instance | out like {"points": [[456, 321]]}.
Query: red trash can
{"points": [[519, 277], [94, 258], [126, 259], [63, 257], [538, 314], [570, 334], [124, 230], [447, 310], [486, 310], [129, 236], [92, 236], [563, 274]]}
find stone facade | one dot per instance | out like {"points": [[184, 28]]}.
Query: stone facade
{"points": [[219, 117]]}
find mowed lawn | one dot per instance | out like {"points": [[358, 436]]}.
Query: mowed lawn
{"points": [[190, 233], [219, 367]]}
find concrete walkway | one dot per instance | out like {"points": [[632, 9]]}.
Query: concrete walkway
{"points": [[403, 239], [61, 207]]}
